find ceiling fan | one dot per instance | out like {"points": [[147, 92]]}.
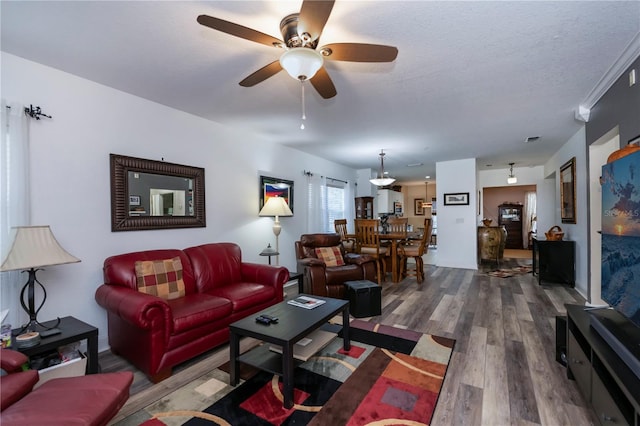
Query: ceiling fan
{"points": [[302, 59]]}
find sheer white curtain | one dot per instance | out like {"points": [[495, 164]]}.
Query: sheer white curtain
{"points": [[14, 202], [318, 215], [349, 207], [529, 212]]}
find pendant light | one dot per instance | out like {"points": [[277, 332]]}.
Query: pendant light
{"points": [[512, 178], [381, 180]]}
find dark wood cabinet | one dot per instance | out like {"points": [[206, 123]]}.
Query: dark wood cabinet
{"points": [[606, 382], [554, 261], [364, 207], [510, 216]]}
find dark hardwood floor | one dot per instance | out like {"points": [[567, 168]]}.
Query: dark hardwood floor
{"points": [[503, 370]]}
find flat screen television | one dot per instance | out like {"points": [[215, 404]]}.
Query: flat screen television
{"points": [[620, 279]]}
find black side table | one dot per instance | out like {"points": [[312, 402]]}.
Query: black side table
{"points": [[71, 330]]}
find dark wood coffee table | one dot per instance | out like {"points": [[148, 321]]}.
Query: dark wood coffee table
{"points": [[294, 324]]}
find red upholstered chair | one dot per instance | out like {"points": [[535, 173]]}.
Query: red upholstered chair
{"points": [[321, 279], [86, 400]]}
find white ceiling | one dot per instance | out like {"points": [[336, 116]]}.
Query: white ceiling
{"points": [[472, 79]]}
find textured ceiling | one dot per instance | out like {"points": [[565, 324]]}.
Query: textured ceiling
{"points": [[471, 80]]}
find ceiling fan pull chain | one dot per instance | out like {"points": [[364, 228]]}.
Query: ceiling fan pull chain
{"points": [[304, 116]]}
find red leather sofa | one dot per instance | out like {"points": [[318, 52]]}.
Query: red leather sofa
{"points": [[155, 334], [86, 400]]}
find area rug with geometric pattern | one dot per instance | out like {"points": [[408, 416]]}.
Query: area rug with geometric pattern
{"points": [[510, 272], [390, 376]]}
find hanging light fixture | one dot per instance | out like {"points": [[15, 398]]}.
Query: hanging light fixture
{"points": [[382, 180], [512, 178]]}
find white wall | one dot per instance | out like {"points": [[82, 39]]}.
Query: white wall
{"points": [[70, 187], [578, 232], [457, 229]]}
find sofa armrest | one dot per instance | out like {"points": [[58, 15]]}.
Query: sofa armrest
{"points": [[274, 276], [141, 310], [12, 361], [310, 262], [358, 259]]}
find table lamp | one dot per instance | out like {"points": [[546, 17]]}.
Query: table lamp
{"points": [[276, 206], [33, 248]]}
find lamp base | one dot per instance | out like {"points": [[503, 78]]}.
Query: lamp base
{"points": [[29, 307]]}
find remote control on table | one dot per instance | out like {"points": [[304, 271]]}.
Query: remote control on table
{"points": [[50, 332], [264, 321], [270, 318]]}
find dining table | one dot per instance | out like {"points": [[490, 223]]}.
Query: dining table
{"points": [[394, 238]]}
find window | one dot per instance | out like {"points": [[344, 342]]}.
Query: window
{"points": [[335, 203]]}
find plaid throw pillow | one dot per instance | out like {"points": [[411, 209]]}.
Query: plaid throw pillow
{"points": [[331, 256], [162, 278]]}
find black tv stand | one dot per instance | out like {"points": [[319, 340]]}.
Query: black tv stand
{"points": [[608, 384]]}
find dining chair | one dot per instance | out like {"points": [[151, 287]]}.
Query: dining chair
{"points": [[415, 249], [347, 240], [368, 242], [398, 225]]}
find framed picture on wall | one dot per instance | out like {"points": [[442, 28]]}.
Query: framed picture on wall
{"points": [[568, 191], [275, 187], [457, 199], [134, 200], [418, 209]]}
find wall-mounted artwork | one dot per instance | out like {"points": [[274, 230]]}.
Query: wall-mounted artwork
{"points": [[457, 199], [275, 187], [418, 207], [568, 191]]}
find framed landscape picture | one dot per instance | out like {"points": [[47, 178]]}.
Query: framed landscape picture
{"points": [[418, 209], [456, 199], [275, 187]]}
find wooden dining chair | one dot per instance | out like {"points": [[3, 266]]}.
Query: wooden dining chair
{"points": [[415, 249], [347, 240], [368, 242], [398, 225]]}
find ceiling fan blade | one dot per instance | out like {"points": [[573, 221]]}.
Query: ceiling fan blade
{"points": [[314, 15], [262, 74], [323, 84], [238, 31], [359, 52]]}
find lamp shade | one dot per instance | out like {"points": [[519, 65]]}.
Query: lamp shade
{"points": [[275, 206], [302, 63], [382, 180], [35, 247]]}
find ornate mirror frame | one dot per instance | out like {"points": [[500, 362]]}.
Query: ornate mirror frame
{"points": [[121, 220], [568, 191]]}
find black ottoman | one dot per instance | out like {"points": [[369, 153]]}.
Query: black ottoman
{"points": [[365, 298]]}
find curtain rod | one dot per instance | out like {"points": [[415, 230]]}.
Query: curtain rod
{"points": [[308, 173], [35, 112]]}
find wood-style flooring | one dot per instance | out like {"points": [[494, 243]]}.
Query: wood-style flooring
{"points": [[503, 369]]}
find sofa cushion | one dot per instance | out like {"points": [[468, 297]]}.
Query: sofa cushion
{"points": [[162, 278], [15, 386], [196, 309], [88, 400], [245, 295], [331, 256]]}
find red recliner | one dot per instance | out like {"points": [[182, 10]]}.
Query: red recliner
{"points": [[86, 400]]}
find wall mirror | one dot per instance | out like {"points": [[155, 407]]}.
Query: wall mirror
{"points": [[149, 194]]}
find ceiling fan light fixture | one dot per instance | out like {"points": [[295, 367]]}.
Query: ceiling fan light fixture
{"points": [[381, 180], [301, 63], [512, 178]]}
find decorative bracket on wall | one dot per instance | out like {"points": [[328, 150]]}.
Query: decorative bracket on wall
{"points": [[35, 112]]}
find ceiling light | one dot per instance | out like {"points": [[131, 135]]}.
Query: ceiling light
{"points": [[512, 178], [381, 180], [302, 63]]}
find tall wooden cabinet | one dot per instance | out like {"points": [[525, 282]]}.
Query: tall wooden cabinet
{"points": [[364, 207], [510, 216]]}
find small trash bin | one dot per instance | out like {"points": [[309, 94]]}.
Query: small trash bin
{"points": [[365, 298]]}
